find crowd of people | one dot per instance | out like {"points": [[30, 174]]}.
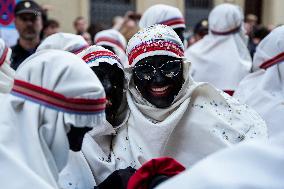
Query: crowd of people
{"points": [[142, 108]]}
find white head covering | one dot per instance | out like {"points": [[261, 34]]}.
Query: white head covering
{"points": [[162, 14], [200, 121], [47, 97], [221, 57], [263, 89], [6, 72], [64, 41], [255, 164], [94, 54], [114, 39]]}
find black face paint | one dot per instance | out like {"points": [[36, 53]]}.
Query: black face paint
{"points": [[112, 78], [75, 137], [180, 32], [159, 79]]}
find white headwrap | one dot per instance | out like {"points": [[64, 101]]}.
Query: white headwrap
{"points": [[6, 72], [200, 121], [64, 41], [162, 14], [255, 164], [221, 57], [263, 89], [94, 54], [114, 39], [47, 97], [95, 155]]}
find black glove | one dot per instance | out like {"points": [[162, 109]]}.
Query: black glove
{"points": [[118, 179]]}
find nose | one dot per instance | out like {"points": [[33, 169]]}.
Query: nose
{"points": [[158, 78]]}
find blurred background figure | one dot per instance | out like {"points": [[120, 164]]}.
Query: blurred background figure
{"points": [[250, 23], [28, 21], [87, 37], [51, 27], [200, 30], [130, 24], [223, 52], [80, 25], [259, 32]]}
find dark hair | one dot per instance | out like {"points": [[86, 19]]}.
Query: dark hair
{"points": [[77, 19], [52, 23]]}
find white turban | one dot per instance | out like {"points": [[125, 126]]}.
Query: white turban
{"points": [[114, 39], [64, 41], [162, 14]]}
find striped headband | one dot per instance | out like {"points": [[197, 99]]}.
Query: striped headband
{"points": [[80, 49], [100, 54], [110, 40], [235, 30], [272, 61], [3, 57], [57, 101], [173, 21], [157, 45]]}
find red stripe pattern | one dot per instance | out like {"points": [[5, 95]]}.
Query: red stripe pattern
{"points": [[173, 21], [3, 57], [110, 40], [272, 61], [99, 54], [57, 101], [235, 30], [154, 46]]}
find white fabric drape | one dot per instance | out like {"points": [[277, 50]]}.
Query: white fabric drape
{"points": [[162, 14], [221, 59], [200, 121], [114, 39], [6, 72], [64, 41], [255, 164], [33, 142], [263, 89]]}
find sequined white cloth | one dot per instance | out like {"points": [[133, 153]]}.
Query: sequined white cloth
{"points": [[200, 121]]}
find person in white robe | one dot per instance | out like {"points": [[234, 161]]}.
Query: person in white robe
{"points": [[114, 41], [96, 149], [263, 89], [254, 164], [64, 41], [221, 58], [196, 122], [46, 105]]}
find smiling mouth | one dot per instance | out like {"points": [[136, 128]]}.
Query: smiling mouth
{"points": [[160, 91]]}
